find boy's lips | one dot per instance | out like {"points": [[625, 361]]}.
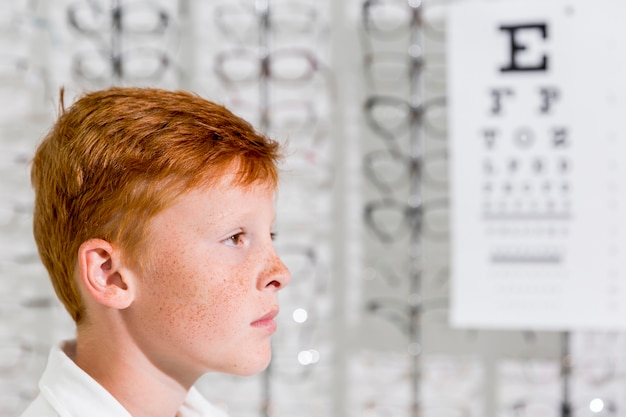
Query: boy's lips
{"points": [[267, 321]]}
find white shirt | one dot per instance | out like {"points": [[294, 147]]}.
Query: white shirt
{"points": [[68, 391]]}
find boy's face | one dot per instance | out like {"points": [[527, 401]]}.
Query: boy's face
{"points": [[206, 301]]}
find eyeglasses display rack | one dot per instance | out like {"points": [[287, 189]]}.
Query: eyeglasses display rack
{"points": [[262, 10], [413, 210], [416, 101]]}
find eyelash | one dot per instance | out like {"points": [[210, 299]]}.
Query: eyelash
{"points": [[236, 238]]}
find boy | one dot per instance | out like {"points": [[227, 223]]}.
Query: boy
{"points": [[153, 216]]}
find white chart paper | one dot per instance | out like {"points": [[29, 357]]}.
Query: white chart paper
{"points": [[537, 102]]}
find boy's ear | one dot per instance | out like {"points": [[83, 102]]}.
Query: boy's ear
{"points": [[101, 273]]}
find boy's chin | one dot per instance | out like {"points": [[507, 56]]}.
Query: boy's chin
{"points": [[256, 368], [252, 366]]}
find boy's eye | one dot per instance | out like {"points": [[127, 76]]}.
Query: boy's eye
{"points": [[273, 236]]}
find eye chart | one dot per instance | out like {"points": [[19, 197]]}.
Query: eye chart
{"points": [[537, 117]]}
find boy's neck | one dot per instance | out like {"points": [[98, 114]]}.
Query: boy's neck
{"points": [[126, 373]]}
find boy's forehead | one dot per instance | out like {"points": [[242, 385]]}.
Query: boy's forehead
{"points": [[208, 204]]}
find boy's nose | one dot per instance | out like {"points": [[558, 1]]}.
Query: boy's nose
{"points": [[277, 275]]}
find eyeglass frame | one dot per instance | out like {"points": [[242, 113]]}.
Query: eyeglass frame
{"points": [[416, 116], [412, 216], [264, 61], [413, 166], [116, 61], [263, 15], [116, 13]]}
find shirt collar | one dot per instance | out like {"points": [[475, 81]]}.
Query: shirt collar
{"points": [[71, 391]]}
